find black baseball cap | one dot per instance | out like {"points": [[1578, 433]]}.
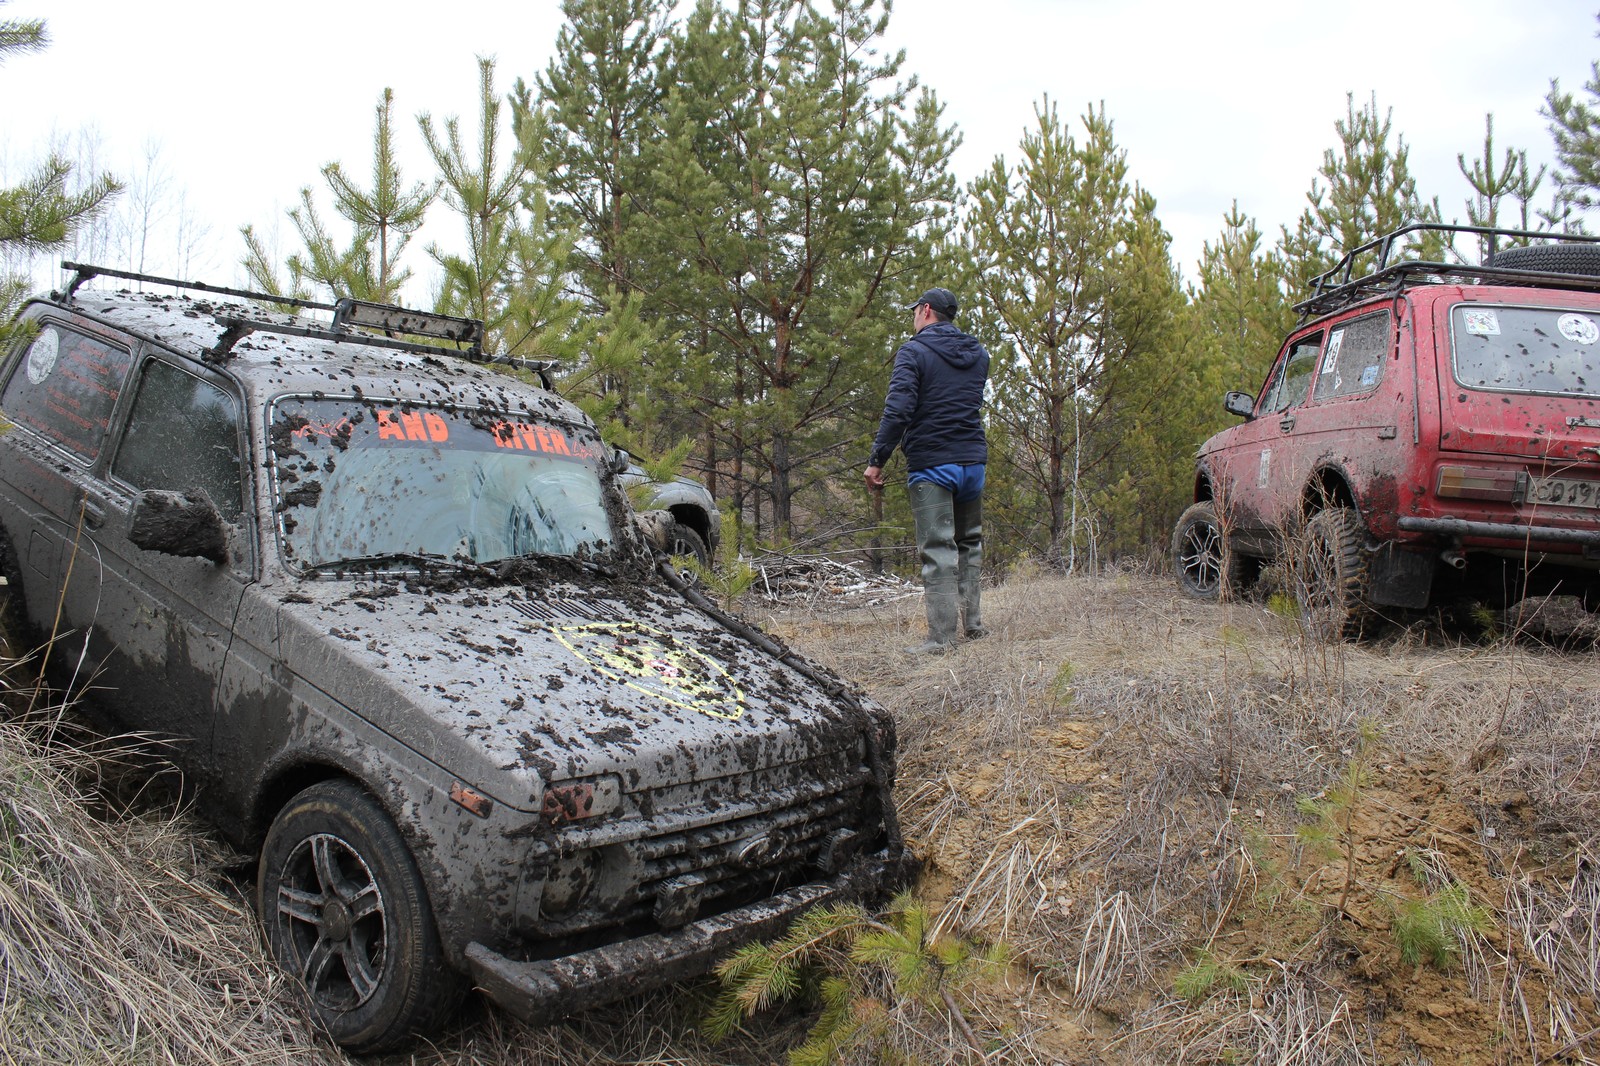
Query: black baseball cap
{"points": [[941, 300]]}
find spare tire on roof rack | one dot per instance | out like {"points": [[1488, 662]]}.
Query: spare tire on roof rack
{"points": [[1551, 258]]}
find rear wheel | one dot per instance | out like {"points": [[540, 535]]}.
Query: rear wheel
{"points": [[345, 911], [1202, 560], [1331, 575]]}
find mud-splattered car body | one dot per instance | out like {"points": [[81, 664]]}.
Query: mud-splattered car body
{"points": [[1429, 433], [313, 560]]}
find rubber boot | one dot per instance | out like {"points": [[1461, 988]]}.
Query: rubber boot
{"points": [[934, 511], [969, 570]]}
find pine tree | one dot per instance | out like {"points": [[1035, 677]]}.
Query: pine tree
{"points": [[790, 197], [1240, 301], [600, 95], [1575, 125], [597, 105], [513, 272], [1364, 189], [382, 221], [1075, 283], [1492, 188], [41, 213]]}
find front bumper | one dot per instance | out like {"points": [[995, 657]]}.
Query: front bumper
{"points": [[548, 989]]}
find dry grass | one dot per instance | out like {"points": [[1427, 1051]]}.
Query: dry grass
{"points": [[119, 941]]}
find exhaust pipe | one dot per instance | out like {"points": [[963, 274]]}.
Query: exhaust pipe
{"points": [[1454, 558]]}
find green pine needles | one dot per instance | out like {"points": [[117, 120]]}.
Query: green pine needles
{"points": [[886, 988], [1430, 930]]}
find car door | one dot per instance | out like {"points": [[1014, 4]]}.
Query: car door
{"points": [[1348, 425], [160, 623], [58, 399], [1248, 462]]}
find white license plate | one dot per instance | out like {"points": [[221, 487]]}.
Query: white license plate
{"points": [[1565, 492]]}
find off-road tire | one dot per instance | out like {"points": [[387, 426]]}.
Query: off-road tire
{"points": [[1581, 259], [1202, 560], [1330, 575], [346, 912], [681, 540]]}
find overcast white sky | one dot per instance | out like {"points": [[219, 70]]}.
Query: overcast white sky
{"points": [[1213, 101]]}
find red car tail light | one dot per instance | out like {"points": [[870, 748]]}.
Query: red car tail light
{"points": [[1483, 483]]}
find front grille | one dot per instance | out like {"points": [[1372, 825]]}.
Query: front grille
{"points": [[773, 830]]}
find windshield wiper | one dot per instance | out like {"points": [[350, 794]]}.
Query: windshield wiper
{"points": [[423, 560]]}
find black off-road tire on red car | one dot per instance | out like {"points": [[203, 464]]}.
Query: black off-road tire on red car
{"points": [[1330, 575], [1202, 560], [1583, 259], [346, 912]]}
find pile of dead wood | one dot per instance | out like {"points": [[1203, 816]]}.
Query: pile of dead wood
{"points": [[811, 579]]}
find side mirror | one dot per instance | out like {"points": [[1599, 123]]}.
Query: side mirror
{"points": [[1240, 403], [619, 460], [185, 524]]}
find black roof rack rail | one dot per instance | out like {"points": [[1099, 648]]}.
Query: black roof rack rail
{"points": [[1340, 286], [347, 313]]}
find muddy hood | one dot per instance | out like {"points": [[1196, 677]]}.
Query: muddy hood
{"points": [[509, 688]]}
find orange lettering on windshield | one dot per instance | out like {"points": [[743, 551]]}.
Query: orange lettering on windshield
{"points": [[413, 425], [388, 428], [527, 436]]}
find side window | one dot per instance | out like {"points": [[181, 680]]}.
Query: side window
{"points": [[1354, 361], [1294, 375], [65, 386], [183, 433]]}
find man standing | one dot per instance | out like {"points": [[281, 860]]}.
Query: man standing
{"points": [[934, 414]]}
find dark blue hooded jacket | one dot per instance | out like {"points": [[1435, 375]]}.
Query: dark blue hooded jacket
{"points": [[934, 408]]}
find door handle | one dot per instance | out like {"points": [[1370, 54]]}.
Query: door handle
{"points": [[94, 516], [1286, 423]]}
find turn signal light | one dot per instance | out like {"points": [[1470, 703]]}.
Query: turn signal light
{"points": [[1483, 483]]}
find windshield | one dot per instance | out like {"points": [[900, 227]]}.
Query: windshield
{"points": [[360, 480], [1527, 349]]}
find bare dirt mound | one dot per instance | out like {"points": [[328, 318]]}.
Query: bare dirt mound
{"points": [[1210, 839]]}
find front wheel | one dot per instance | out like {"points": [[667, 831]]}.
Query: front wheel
{"points": [[1202, 559], [1331, 575], [682, 540], [345, 911]]}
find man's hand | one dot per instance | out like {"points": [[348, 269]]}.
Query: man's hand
{"points": [[875, 478]]}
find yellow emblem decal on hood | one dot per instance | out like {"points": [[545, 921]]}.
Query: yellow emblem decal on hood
{"points": [[648, 661]]}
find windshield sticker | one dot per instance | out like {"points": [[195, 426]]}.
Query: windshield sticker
{"points": [[1369, 376], [1580, 329], [648, 662], [42, 356], [1481, 323], [1331, 359], [536, 438]]}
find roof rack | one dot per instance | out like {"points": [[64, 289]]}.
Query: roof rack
{"points": [[389, 319], [1340, 286]]}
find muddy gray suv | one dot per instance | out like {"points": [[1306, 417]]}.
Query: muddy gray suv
{"points": [[392, 609]]}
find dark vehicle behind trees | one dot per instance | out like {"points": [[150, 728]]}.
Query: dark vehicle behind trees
{"points": [[393, 612], [1428, 435]]}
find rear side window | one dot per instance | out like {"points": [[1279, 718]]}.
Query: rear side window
{"points": [[1353, 361], [183, 434], [1526, 349], [65, 387]]}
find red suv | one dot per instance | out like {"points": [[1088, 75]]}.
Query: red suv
{"points": [[1428, 435]]}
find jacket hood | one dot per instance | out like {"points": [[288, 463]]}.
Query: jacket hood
{"points": [[950, 344], [511, 687]]}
